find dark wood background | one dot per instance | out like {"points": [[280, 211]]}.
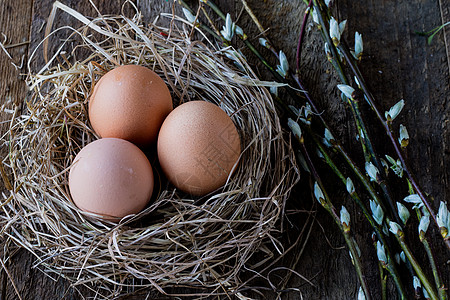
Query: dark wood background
{"points": [[397, 64]]}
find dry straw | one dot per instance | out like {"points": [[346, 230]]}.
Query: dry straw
{"points": [[178, 240]]}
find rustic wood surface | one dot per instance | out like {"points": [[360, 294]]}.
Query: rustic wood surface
{"points": [[398, 64]]}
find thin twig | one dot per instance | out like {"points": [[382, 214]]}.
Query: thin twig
{"points": [[439, 284], [389, 133], [254, 18], [328, 205], [390, 266], [365, 139], [302, 34], [416, 266]]}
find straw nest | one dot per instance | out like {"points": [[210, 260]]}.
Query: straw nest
{"points": [[177, 240]]}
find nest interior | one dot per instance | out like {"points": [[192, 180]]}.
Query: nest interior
{"points": [[199, 242]]}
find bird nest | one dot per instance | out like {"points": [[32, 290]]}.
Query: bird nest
{"points": [[198, 242]]}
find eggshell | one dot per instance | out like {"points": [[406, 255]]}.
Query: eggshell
{"points": [[130, 102], [111, 177], [198, 146]]}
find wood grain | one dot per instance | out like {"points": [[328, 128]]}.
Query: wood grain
{"points": [[397, 64], [15, 31], [15, 24]]}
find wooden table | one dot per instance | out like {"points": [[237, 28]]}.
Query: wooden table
{"points": [[398, 64]]}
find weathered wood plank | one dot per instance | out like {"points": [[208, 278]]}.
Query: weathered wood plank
{"points": [[15, 20], [397, 64]]}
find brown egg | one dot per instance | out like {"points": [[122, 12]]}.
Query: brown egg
{"points": [[198, 146], [111, 177], [130, 102]]}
